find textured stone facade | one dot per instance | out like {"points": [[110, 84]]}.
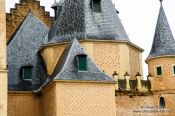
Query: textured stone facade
{"points": [[17, 15], [48, 101], [23, 104], [116, 55], [107, 55], [85, 99], [166, 63], [134, 62], [128, 105]]}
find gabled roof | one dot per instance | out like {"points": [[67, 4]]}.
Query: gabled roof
{"points": [[23, 51], [77, 19], [66, 68], [163, 43]]}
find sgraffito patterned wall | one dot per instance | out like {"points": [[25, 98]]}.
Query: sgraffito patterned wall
{"points": [[85, 99], [23, 105], [134, 62], [48, 102], [106, 56]]}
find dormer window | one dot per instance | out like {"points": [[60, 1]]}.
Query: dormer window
{"points": [[26, 72], [96, 5], [81, 62]]}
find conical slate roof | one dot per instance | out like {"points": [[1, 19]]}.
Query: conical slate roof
{"points": [[77, 19], [163, 43], [66, 68]]}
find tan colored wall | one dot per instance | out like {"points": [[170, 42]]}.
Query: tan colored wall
{"points": [[85, 99], [2, 35], [106, 56], [134, 62], [3, 70], [48, 102], [51, 56], [118, 56], [166, 63], [126, 106], [17, 14], [3, 92], [23, 104]]}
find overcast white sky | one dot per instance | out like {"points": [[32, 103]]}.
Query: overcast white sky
{"points": [[139, 18]]}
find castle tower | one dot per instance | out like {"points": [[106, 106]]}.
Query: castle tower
{"points": [[3, 70], [161, 60]]}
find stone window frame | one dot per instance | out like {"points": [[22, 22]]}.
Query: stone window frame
{"points": [[155, 68]]}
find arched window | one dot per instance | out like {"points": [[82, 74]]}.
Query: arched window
{"points": [[161, 102], [96, 5]]}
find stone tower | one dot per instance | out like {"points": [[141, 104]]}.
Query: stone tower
{"points": [[3, 69], [161, 60]]}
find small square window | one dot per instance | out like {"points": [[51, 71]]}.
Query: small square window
{"points": [[81, 62], [96, 5], [26, 72], [159, 70]]}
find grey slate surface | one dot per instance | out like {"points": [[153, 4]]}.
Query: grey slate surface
{"points": [[23, 51], [163, 43], [66, 68], [77, 19]]}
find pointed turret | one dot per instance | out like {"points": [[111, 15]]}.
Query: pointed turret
{"points": [[163, 43], [162, 56], [86, 19]]}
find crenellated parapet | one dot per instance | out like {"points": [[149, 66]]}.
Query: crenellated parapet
{"points": [[17, 15]]}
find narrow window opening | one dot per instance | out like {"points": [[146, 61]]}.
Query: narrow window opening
{"points": [[162, 103], [96, 5], [81, 62], [26, 72], [159, 70], [174, 70]]}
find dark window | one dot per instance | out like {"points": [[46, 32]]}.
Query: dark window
{"points": [[162, 102], [81, 62], [26, 72], [95, 5], [174, 70], [159, 70]]}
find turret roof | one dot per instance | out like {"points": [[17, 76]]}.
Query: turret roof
{"points": [[163, 43]]}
